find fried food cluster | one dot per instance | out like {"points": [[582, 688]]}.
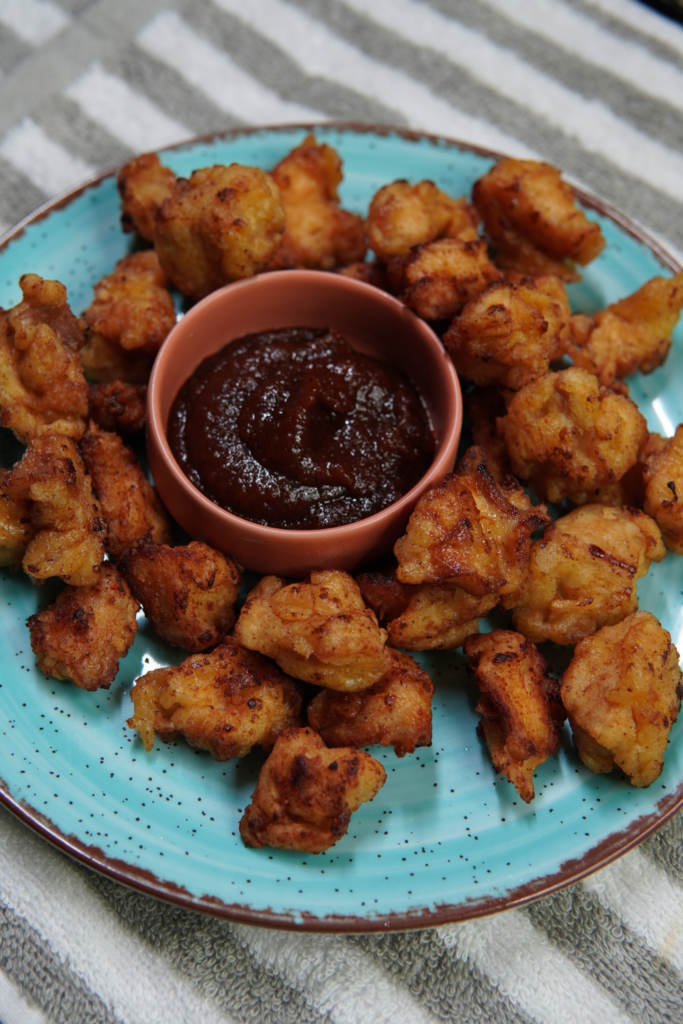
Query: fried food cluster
{"points": [[188, 593], [622, 692], [583, 573], [394, 712], [51, 484], [220, 225], [530, 215], [129, 502], [118, 406], [567, 435], [402, 216], [510, 333], [519, 704], [319, 630], [632, 334], [484, 406], [306, 793], [42, 387], [664, 490], [144, 185], [319, 235], [82, 635], [437, 280], [226, 702], [16, 528], [128, 320]]}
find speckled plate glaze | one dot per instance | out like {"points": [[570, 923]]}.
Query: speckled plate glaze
{"points": [[445, 839]]}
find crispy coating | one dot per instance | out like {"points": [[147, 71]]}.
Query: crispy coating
{"points": [[510, 334], [519, 704], [188, 593], [583, 573], [118, 406], [42, 387], [622, 691], [565, 433], [319, 235], [220, 225], [71, 533], [425, 616], [483, 406], [531, 217], [472, 532], [319, 630], [144, 184], [16, 528], [394, 712], [664, 490], [403, 215], [225, 702], [82, 635], [130, 503], [438, 279], [632, 334], [306, 793], [374, 273]]}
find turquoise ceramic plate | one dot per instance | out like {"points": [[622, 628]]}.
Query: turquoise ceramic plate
{"points": [[445, 838]]}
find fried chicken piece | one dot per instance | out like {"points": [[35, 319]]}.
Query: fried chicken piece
{"points": [[437, 280], [306, 793], [394, 712], [220, 225], [374, 273], [16, 529], [530, 215], [402, 216], [319, 630], [583, 573], [132, 506], [225, 702], [118, 406], [71, 533], [632, 334], [144, 184], [520, 708], [510, 333], [483, 406], [42, 387], [188, 593], [565, 434], [319, 235], [623, 692], [129, 318], [426, 616], [664, 490], [472, 532], [82, 635]]}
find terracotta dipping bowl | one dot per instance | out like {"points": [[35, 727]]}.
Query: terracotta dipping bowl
{"points": [[372, 322]]}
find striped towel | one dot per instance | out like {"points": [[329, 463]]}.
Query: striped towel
{"points": [[595, 86]]}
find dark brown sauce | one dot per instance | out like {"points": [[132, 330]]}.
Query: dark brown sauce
{"points": [[293, 428]]}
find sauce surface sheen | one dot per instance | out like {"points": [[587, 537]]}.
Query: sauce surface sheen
{"points": [[293, 428]]}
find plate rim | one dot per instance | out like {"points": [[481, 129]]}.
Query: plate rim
{"points": [[604, 852]]}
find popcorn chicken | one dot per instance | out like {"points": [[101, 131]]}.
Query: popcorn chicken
{"points": [[664, 490], [520, 708], [118, 406], [188, 593], [471, 532], [130, 503], [566, 434], [402, 216], [509, 334], [394, 712], [220, 225], [632, 334], [70, 531], [319, 235], [307, 792], [226, 702], [319, 631], [583, 574], [132, 313], [483, 406], [82, 635], [438, 279], [16, 529], [622, 692], [42, 387], [144, 184], [374, 273], [531, 217]]}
